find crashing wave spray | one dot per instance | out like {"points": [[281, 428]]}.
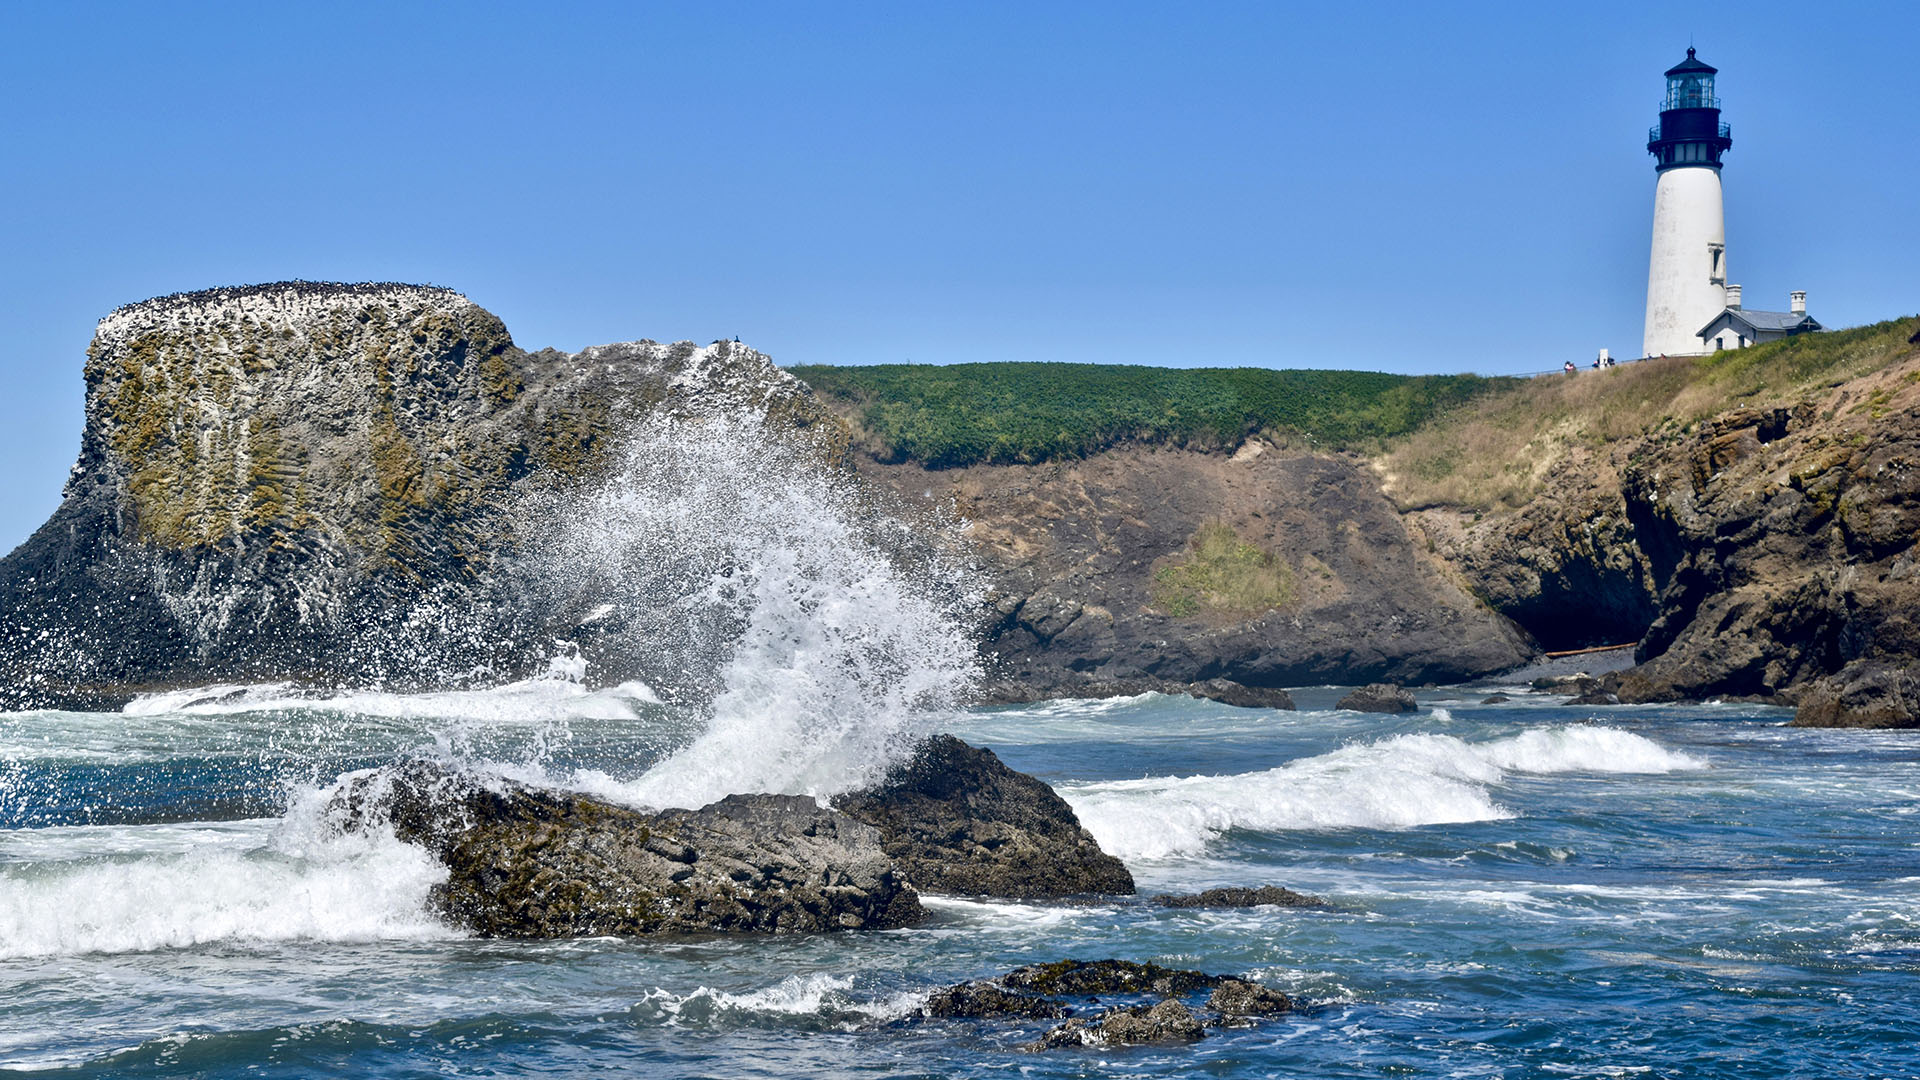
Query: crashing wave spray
{"points": [[733, 568]]}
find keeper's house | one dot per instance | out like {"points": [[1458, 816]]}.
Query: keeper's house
{"points": [[1738, 327]]}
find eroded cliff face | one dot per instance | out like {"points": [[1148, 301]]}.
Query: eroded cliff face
{"points": [[305, 481], [1766, 553], [1152, 565]]}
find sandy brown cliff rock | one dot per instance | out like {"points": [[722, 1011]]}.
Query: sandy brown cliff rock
{"points": [[1265, 567]]}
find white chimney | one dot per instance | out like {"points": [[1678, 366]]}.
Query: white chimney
{"points": [[1733, 297], [1797, 299]]}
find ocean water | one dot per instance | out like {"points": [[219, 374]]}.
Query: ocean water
{"points": [[1519, 890]]}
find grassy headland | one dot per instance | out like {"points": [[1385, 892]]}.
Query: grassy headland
{"points": [[1006, 413], [1498, 449], [1440, 440]]}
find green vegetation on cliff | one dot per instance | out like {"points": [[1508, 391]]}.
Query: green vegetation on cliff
{"points": [[1221, 572], [1500, 449], [1004, 413]]}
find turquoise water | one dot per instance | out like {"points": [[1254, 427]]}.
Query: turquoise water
{"points": [[1522, 890]]}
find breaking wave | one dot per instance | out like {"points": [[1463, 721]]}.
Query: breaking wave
{"points": [[164, 888], [820, 632], [1396, 783]]}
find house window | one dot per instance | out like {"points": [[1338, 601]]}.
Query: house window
{"points": [[1720, 342]]}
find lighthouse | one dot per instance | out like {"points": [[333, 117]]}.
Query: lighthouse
{"points": [[1687, 275]]}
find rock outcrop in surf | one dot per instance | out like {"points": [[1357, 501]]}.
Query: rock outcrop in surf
{"points": [[957, 820], [527, 862], [1109, 1002], [531, 862]]}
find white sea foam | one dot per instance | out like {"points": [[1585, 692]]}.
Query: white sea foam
{"points": [[817, 994], [833, 632], [1395, 783], [560, 694], [302, 888]]}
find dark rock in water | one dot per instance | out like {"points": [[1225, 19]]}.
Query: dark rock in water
{"points": [[1228, 692], [1235, 998], [957, 820], [1379, 697], [1495, 699], [525, 862], [1864, 694], [1169, 1021], [1084, 977], [1596, 697], [1239, 897], [1035, 992], [987, 998]]}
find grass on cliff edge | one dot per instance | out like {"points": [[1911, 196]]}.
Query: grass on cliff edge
{"points": [[1497, 451], [946, 416]]}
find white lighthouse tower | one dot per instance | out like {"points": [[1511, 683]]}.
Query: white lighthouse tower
{"points": [[1687, 276]]}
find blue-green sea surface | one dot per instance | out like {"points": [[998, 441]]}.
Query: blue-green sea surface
{"points": [[1516, 890]]}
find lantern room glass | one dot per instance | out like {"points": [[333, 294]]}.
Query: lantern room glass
{"points": [[1693, 90]]}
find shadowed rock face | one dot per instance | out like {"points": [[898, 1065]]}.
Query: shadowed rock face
{"points": [[292, 481], [957, 820], [530, 863]]}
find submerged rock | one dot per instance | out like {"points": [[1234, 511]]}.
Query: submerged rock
{"points": [[524, 862], [957, 820], [1380, 698], [1495, 699], [1228, 692], [1240, 897]]}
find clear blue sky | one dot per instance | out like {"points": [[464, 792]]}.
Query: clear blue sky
{"points": [[1416, 187]]}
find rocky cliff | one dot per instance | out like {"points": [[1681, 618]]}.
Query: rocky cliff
{"points": [[1144, 566], [307, 480], [324, 482], [1763, 550]]}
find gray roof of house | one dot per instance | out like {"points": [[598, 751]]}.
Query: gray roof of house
{"points": [[1763, 320]]}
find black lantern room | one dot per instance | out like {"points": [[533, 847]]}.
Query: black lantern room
{"points": [[1690, 131]]}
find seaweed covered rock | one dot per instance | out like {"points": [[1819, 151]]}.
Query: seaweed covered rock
{"points": [[525, 862], [1109, 1002], [984, 998], [957, 820], [1238, 998], [1167, 1021]]}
